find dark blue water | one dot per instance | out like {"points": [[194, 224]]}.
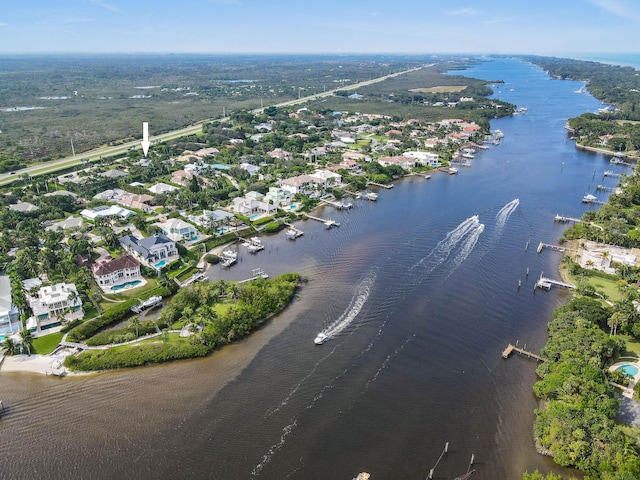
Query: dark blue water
{"points": [[420, 292]]}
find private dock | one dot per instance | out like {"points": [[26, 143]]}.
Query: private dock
{"points": [[611, 173], [380, 184], [292, 232], [605, 188], [338, 205], [565, 219], [520, 351], [557, 248], [256, 273], [328, 223], [546, 283]]}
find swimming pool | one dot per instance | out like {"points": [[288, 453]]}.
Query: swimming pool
{"points": [[160, 264], [630, 370], [132, 283], [253, 217], [222, 230]]}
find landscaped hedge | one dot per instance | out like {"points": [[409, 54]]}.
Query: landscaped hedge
{"points": [[134, 356], [274, 227], [125, 334]]}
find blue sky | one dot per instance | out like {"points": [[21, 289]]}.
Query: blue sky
{"points": [[558, 27]]}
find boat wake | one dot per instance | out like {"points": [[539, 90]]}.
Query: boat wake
{"points": [[357, 302], [505, 212], [463, 238]]}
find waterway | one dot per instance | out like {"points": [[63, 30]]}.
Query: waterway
{"points": [[423, 286]]}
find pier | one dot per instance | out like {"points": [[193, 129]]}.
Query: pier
{"points": [[611, 173], [546, 283], [604, 188], [557, 248], [520, 351], [292, 232], [338, 205], [380, 184], [328, 223], [564, 219], [256, 273]]}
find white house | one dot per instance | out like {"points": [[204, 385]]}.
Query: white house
{"points": [[53, 306], [424, 158], [278, 196], [298, 184], [405, 162], [117, 270], [326, 178], [162, 188], [9, 320], [105, 211], [178, 230]]}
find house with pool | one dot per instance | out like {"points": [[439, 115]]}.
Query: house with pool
{"points": [[9, 318], [155, 251], [118, 273], [178, 230], [53, 306]]}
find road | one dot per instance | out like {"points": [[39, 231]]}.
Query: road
{"points": [[109, 151]]}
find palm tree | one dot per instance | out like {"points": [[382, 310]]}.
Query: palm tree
{"points": [[135, 323], [10, 347], [27, 339]]}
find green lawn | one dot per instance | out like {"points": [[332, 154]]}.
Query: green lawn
{"points": [[604, 286], [47, 343], [633, 346]]}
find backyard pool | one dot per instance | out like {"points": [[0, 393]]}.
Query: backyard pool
{"points": [[253, 217], [628, 369], [130, 284], [222, 230], [160, 264]]}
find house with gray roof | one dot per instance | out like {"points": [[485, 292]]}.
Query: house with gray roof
{"points": [[151, 250]]}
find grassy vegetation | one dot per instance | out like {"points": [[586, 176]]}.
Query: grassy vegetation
{"points": [[632, 345], [47, 343]]}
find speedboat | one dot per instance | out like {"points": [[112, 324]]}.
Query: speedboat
{"points": [[321, 338]]}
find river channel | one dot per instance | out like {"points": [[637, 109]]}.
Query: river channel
{"points": [[420, 289]]}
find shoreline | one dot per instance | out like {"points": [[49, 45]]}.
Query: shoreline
{"points": [[604, 151]]}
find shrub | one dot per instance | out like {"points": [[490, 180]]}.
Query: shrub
{"points": [[274, 227]]}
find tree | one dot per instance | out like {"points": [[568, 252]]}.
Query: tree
{"points": [[27, 340], [10, 347], [135, 323]]}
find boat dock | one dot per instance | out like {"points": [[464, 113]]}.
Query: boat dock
{"points": [[256, 273], [520, 351], [369, 182], [328, 223], [338, 205], [605, 188], [546, 283], [611, 173], [148, 303], [565, 219], [557, 248], [292, 232]]}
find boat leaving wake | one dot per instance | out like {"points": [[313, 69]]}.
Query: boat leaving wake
{"points": [[357, 302], [505, 212]]}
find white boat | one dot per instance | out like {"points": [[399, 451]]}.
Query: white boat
{"points": [[293, 233], [230, 254], [589, 198], [149, 302], [253, 248], [372, 196], [321, 338], [452, 170]]}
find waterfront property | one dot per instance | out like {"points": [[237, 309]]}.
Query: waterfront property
{"points": [[52, 306], [113, 272], [178, 230], [151, 250], [9, 320]]}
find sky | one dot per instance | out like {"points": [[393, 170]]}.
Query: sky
{"points": [[543, 27]]}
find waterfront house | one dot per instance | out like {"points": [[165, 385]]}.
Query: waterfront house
{"points": [[151, 249], [405, 162], [297, 184], [210, 218], [278, 196], [52, 306], [178, 230], [9, 318], [424, 158], [326, 178], [115, 271]]}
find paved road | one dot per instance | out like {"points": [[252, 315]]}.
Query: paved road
{"points": [[109, 151]]}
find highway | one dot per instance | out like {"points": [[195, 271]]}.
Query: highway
{"points": [[109, 151]]}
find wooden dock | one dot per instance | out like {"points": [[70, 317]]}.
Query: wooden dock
{"points": [[565, 219], [380, 184], [328, 223], [256, 273], [546, 283], [338, 205], [520, 351]]}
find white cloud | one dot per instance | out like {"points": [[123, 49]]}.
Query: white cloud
{"points": [[463, 11], [619, 8], [107, 6]]}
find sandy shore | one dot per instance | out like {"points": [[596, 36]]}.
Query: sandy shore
{"points": [[42, 364]]}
